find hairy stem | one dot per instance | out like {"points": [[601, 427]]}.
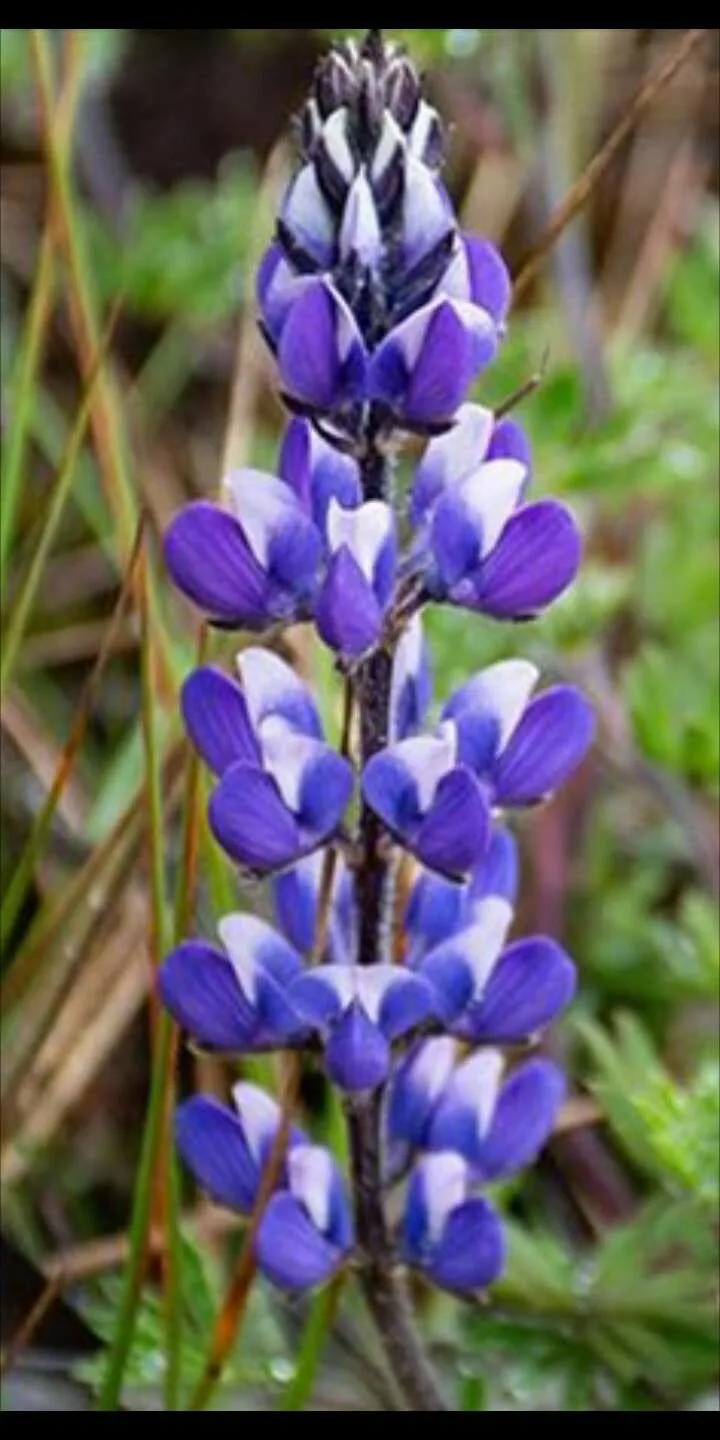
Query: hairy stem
{"points": [[385, 1292]]}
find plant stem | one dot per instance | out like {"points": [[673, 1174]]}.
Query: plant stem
{"points": [[385, 1292]]}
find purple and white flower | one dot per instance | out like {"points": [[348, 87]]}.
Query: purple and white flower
{"points": [[307, 1232], [228, 1150], [481, 545], [223, 997], [359, 1012], [454, 1238], [283, 792], [494, 749]]}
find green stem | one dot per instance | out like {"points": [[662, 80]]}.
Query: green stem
{"points": [[319, 1322], [110, 1392]]}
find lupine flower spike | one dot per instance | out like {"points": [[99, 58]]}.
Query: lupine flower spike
{"points": [[380, 314]]}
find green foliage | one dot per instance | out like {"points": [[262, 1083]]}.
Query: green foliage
{"points": [[183, 255], [670, 1131]]}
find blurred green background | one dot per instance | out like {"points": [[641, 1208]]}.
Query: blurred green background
{"points": [[139, 173]]}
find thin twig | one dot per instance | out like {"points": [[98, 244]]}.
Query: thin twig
{"points": [[29, 1325], [584, 188]]}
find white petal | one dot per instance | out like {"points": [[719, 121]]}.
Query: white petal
{"points": [[286, 755], [391, 140], [432, 1068], [483, 942], [261, 503], [270, 686], [425, 214], [335, 138], [477, 1084], [429, 758], [260, 1117], [311, 1174], [446, 1185], [456, 282], [364, 531], [361, 234], [366, 985], [421, 130], [492, 494], [306, 212], [458, 455], [503, 691], [244, 938]]}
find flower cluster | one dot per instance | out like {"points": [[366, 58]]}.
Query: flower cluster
{"points": [[380, 314]]}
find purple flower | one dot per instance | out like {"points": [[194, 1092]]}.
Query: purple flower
{"points": [[359, 1013], [252, 565], [455, 1239], [493, 749], [228, 1150], [360, 579], [306, 1233], [283, 792], [484, 548], [423, 369], [498, 1127], [222, 998]]}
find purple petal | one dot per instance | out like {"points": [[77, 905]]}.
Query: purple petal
{"points": [[455, 541], [459, 968], [212, 1143], [210, 561], [434, 913], [347, 614], [451, 357], [438, 1185], [391, 790], [358, 1054], [532, 983], [490, 283], [251, 822], [524, 1120], [322, 358], [499, 873], [537, 559], [454, 836], [550, 742], [472, 1253], [290, 1251], [326, 791], [217, 720], [416, 1089], [317, 472], [408, 1002], [509, 442], [200, 988]]}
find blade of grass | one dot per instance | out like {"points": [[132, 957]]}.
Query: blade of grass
{"points": [[319, 1324], [13, 637], [163, 1180], [107, 419], [17, 890], [584, 188], [109, 1397], [23, 388]]}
